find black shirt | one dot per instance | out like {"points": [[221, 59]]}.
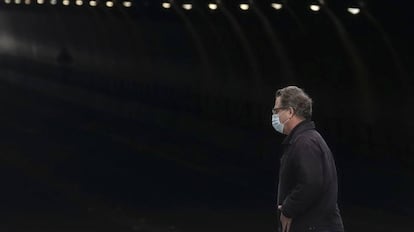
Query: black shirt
{"points": [[308, 185]]}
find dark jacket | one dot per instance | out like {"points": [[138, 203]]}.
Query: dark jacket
{"points": [[308, 185]]}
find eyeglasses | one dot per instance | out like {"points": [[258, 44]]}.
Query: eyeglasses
{"points": [[276, 110]]}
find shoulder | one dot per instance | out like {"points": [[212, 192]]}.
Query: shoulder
{"points": [[307, 143], [307, 137]]}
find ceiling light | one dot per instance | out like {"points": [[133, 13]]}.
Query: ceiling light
{"points": [[166, 5], [277, 6], [244, 6], [314, 7], [187, 6], [127, 4], [212, 6], [109, 4], [354, 10]]}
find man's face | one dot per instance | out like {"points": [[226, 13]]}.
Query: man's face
{"points": [[281, 111]]}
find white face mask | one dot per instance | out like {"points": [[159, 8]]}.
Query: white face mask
{"points": [[277, 124]]}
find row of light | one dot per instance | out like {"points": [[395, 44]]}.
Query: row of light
{"points": [[214, 6], [67, 2], [166, 5], [245, 7]]}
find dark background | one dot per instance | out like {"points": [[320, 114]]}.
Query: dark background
{"points": [[152, 119]]}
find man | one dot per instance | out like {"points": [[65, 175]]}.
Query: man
{"points": [[308, 189]]}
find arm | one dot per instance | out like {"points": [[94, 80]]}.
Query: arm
{"points": [[307, 163]]}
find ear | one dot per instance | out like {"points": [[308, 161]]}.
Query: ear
{"points": [[291, 111]]}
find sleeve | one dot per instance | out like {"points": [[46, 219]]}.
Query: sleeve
{"points": [[307, 164]]}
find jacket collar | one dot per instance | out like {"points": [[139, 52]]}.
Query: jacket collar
{"points": [[301, 127]]}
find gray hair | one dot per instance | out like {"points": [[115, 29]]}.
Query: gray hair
{"points": [[295, 97]]}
